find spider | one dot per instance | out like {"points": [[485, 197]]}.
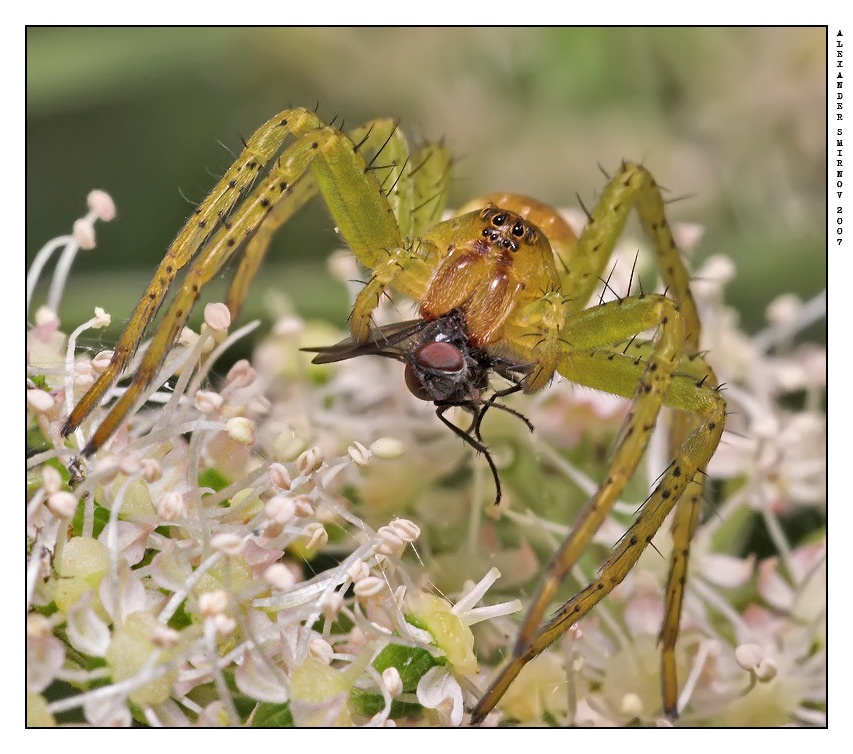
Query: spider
{"points": [[508, 281]]}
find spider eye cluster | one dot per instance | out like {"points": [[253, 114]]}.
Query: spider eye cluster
{"points": [[505, 228]]}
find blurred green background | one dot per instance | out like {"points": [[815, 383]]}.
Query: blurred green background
{"points": [[733, 118]]}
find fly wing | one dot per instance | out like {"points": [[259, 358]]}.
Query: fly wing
{"points": [[392, 341]]}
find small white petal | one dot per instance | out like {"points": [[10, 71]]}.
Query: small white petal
{"points": [[393, 682], [87, 633], [257, 680], [439, 690]]}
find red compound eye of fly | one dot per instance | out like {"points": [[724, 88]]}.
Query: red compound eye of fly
{"points": [[440, 357], [436, 357]]}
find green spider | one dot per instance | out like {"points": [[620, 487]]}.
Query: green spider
{"points": [[511, 280]]}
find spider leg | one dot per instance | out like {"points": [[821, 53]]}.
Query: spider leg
{"points": [[650, 383], [207, 217], [582, 264], [417, 192], [354, 197]]}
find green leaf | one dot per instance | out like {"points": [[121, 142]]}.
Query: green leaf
{"points": [[213, 479], [102, 517], [270, 715], [411, 663], [368, 704]]}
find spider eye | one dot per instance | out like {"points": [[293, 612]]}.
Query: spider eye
{"points": [[498, 220], [518, 230]]}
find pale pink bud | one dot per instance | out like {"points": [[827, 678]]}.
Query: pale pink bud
{"points": [[280, 509], [227, 543], [388, 542], [222, 624], [151, 469], [279, 576], [241, 429], [304, 506], [129, 464], [316, 535], [207, 401], [748, 656], [309, 461], [358, 570], [213, 602], [331, 605], [84, 234], [368, 587], [187, 337], [288, 327], [388, 448], [102, 204], [405, 529], [321, 649], [359, 453], [84, 381], [217, 316], [240, 375], [51, 479], [39, 401], [62, 504], [393, 682], [46, 318], [260, 405], [164, 636], [279, 476], [171, 506], [106, 469], [102, 361]]}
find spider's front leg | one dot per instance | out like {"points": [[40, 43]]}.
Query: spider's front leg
{"points": [[365, 201]]}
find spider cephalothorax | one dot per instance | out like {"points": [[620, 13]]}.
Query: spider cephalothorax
{"points": [[520, 281]]}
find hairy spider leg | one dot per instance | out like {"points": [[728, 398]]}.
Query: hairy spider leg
{"points": [[583, 263], [650, 383], [363, 214]]}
